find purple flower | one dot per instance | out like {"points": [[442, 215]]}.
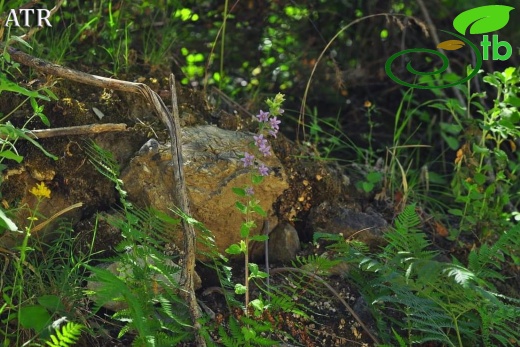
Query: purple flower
{"points": [[248, 159], [266, 150], [264, 171], [260, 141], [250, 191], [273, 122], [273, 133], [263, 116]]}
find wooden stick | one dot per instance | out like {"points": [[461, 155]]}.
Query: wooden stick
{"points": [[73, 131], [181, 195]]}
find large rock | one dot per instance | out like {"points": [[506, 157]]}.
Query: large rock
{"points": [[212, 168]]}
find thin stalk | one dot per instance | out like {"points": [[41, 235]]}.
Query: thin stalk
{"points": [[222, 45]]}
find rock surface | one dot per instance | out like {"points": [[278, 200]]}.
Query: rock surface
{"points": [[284, 243], [336, 218], [212, 168]]}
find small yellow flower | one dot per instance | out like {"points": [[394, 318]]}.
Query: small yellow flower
{"points": [[367, 104], [41, 191]]}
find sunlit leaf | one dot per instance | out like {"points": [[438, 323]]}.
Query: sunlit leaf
{"points": [[233, 249]]}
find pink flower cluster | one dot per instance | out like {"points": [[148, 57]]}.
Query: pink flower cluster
{"points": [[272, 124]]}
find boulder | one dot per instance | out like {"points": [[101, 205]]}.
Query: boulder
{"points": [[212, 168]]}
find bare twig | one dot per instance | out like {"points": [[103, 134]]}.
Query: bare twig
{"points": [[73, 131]]}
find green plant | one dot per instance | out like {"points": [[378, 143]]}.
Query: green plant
{"points": [[428, 300], [269, 125], [147, 279], [41, 286], [326, 139], [9, 134], [66, 336], [484, 172]]}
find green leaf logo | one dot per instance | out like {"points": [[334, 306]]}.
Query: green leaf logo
{"points": [[483, 19]]}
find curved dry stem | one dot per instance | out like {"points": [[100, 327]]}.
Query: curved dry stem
{"points": [[334, 292], [301, 117]]}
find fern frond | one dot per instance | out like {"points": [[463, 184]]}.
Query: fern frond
{"points": [[406, 242], [68, 335]]}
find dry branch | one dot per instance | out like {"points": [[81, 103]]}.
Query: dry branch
{"points": [[73, 131]]}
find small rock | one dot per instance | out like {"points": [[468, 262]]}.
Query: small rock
{"points": [[337, 218], [284, 243]]}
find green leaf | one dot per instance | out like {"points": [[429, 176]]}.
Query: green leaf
{"points": [[34, 317], [483, 19], [241, 207], [479, 150], [20, 40], [239, 191], [257, 179], [8, 154], [452, 129], [374, 177], [513, 100], [240, 288], [367, 186], [479, 178], [490, 79], [249, 333], [259, 210], [258, 304], [259, 274], [38, 110], [452, 142], [7, 221], [9, 86], [244, 230], [51, 302], [234, 249], [456, 212], [259, 238]]}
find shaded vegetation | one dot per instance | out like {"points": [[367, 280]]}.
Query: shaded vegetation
{"points": [[444, 162]]}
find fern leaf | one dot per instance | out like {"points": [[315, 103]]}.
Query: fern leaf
{"points": [[66, 336]]}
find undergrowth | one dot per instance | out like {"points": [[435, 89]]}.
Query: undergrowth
{"points": [[417, 295]]}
